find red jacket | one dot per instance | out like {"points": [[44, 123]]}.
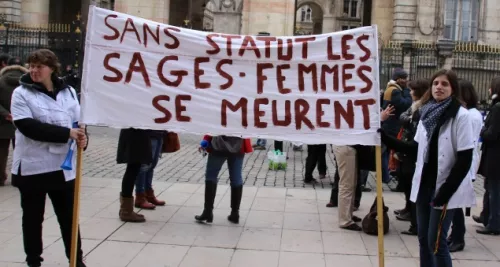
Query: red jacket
{"points": [[245, 148]]}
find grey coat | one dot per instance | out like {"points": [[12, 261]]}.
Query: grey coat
{"points": [[9, 80]]}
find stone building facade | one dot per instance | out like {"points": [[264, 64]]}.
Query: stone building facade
{"points": [[423, 20], [40, 12], [458, 20]]}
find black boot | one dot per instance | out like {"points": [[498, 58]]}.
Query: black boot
{"points": [[236, 193], [208, 215]]}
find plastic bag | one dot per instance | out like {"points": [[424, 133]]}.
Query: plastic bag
{"points": [[277, 160]]}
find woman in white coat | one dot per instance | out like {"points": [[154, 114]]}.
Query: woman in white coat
{"points": [[456, 241], [44, 110], [444, 147]]}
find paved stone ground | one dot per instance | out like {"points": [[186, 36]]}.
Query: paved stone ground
{"points": [[188, 165], [279, 227], [284, 223]]}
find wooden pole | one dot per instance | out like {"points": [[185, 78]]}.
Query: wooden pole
{"points": [[380, 207], [76, 209]]}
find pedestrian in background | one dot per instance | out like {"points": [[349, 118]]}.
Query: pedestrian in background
{"points": [[9, 80], [4, 61], [489, 167], [348, 177], [135, 150], [144, 194], [220, 150], [316, 156], [456, 241], [410, 120], [398, 96]]}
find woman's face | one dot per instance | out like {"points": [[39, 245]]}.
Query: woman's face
{"points": [[412, 93], [441, 88], [40, 73]]}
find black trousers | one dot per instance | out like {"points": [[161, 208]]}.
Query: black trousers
{"points": [[129, 178], [278, 145], [33, 205], [485, 213], [316, 155]]}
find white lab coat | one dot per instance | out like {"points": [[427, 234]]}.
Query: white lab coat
{"points": [[455, 135], [477, 124], [35, 157]]}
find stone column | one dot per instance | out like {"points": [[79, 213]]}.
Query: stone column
{"points": [[273, 16], [11, 9], [382, 16], [35, 12], [328, 24], [405, 19], [445, 52], [156, 10], [227, 16]]}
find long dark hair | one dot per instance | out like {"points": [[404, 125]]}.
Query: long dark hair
{"points": [[469, 94], [452, 79], [419, 87], [495, 88]]}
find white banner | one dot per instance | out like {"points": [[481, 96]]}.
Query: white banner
{"points": [[321, 89]]}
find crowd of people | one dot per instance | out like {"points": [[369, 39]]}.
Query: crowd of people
{"points": [[434, 138]]}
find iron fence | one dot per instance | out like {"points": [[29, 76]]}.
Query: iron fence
{"points": [[63, 39], [477, 63], [391, 58], [471, 61]]}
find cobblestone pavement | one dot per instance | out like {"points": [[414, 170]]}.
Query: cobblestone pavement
{"points": [[188, 165]]}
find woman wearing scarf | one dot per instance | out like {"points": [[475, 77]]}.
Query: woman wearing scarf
{"points": [[443, 145], [489, 167]]}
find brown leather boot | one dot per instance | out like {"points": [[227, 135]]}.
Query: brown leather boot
{"points": [[141, 202], [150, 196], [127, 213]]}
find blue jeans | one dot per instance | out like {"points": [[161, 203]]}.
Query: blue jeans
{"points": [[428, 219], [144, 180], [261, 142], [494, 194], [458, 228], [234, 164]]}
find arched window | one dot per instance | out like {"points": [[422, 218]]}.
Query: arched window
{"points": [[303, 14], [309, 14]]}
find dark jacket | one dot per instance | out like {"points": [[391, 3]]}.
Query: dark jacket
{"points": [[410, 120], [400, 98], [9, 80], [134, 146], [365, 157], [490, 134]]}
